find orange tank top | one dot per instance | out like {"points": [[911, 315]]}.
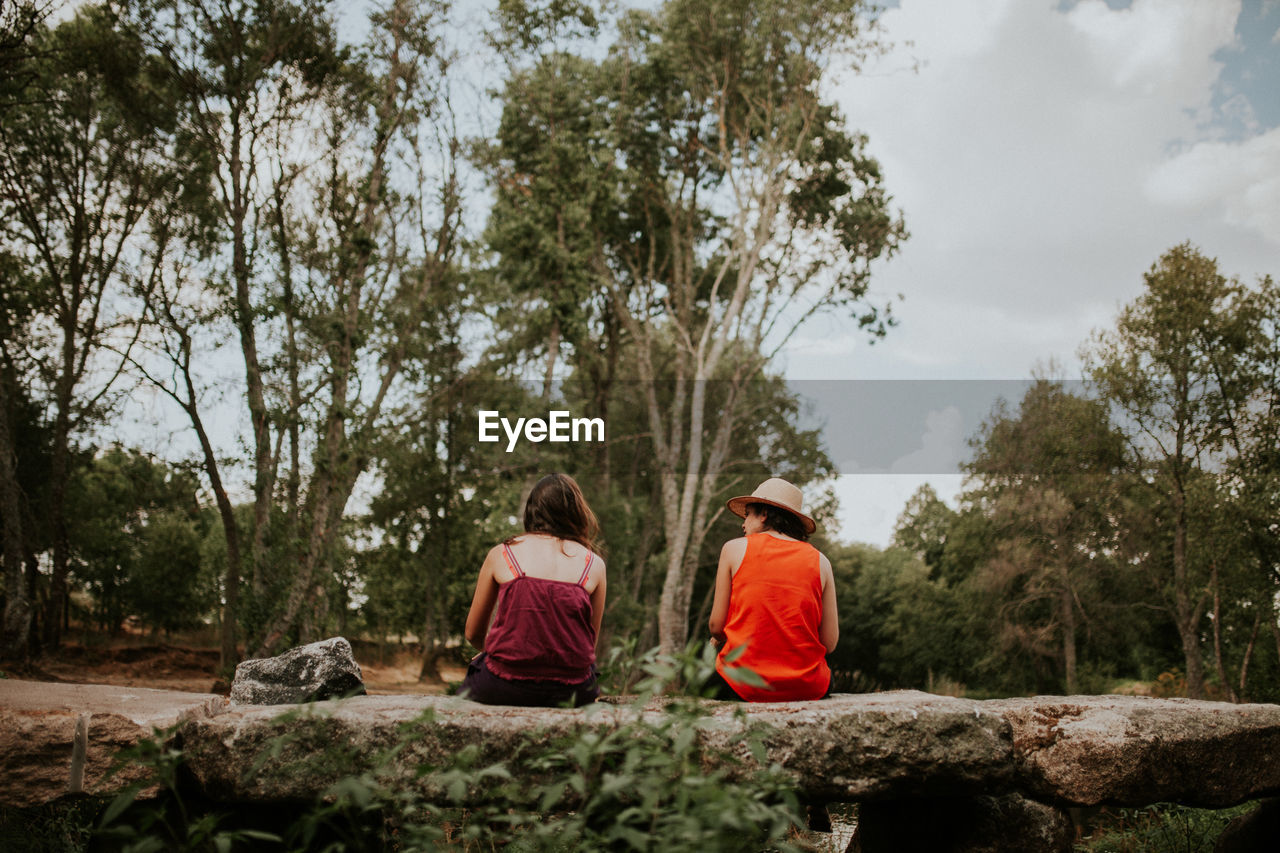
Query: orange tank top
{"points": [[775, 608]]}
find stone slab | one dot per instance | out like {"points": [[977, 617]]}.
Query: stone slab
{"points": [[897, 745], [38, 733], [881, 747], [1136, 750]]}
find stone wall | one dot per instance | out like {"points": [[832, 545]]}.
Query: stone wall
{"points": [[1015, 763]]}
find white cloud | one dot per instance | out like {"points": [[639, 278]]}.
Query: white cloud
{"points": [[1158, 46], [1242, 180], [1043, 159], [871, 503], [1023, 154]]}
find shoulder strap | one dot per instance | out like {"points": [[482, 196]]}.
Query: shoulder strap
{"points": [[586, 569], [516, 571]]}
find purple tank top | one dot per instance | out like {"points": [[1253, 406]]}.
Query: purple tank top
{"points": [[542, 630]]}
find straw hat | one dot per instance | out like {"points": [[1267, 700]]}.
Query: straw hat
{"points": [[776, 492]]}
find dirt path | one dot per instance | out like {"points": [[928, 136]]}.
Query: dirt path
{"points": [[194, 670]]}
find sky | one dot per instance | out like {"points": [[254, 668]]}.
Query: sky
{"points": [[1044, 155]]}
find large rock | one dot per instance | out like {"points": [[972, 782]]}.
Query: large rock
{"points": [[846, 748], [310, 673], [1135, 750], [892, 747], [885, 746], [902, 743], [57, 739]]}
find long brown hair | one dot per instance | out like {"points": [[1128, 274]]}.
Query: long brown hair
{"points": [[556, 506]]}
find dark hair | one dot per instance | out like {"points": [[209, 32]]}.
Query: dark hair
{"points": [[556, 506], [780, 520]]}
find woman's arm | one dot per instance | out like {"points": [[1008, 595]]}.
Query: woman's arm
{"points": [[597, 596], [730, 558], [829, 628], [486, 595]]}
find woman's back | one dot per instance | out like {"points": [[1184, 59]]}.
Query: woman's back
{"points": [[538, 604], [543, 627], [776, 612], [543, 556]]}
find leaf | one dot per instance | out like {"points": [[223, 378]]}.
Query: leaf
{"points": [[742, 675], [118, 805]]}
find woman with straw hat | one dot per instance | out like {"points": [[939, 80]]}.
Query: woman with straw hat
{"points": [[774, 612]]}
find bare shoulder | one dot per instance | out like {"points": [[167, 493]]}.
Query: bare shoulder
{"points": [[824, 567], [733, 553]]}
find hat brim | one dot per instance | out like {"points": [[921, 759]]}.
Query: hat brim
{"points": [[738, 506]]}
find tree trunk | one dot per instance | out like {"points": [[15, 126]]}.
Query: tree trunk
{"points": [[553, 353], [429, 672], [1186, 614], [16, 643], [1067, 615], [1217, 635], [1248, 655], [59, 473]]}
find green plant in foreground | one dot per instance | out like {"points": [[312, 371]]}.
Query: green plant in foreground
{"points": [[648, 784], [1161, 828], [170, 822]]}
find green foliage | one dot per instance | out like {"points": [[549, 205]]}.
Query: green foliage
{"points": [[899, 626], [1047, 477], [1162, 828], [641, 786], [136, 542], [63, 827], [172, 822]]}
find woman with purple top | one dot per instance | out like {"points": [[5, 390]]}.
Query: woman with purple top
{"points": [[548, 585]]}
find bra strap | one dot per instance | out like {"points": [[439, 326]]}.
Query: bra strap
{"points": [[586, 570], [516, 571]]}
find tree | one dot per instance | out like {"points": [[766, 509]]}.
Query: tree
{"points": [[681, 206], [80, 170], [17, 525], [923, 525], [168, 587], [549, 165], [135, 541], [1161, 370], [325, 253], [747, 206], [19, 21], [1046, 477]]}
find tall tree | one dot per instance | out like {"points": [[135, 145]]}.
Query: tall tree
{"points": [[336, 196], [381, 257], [1160, 370], [80, 167], [549, 164], [1249, 496], [748, 206], [1046, 478], [15, 642]]}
